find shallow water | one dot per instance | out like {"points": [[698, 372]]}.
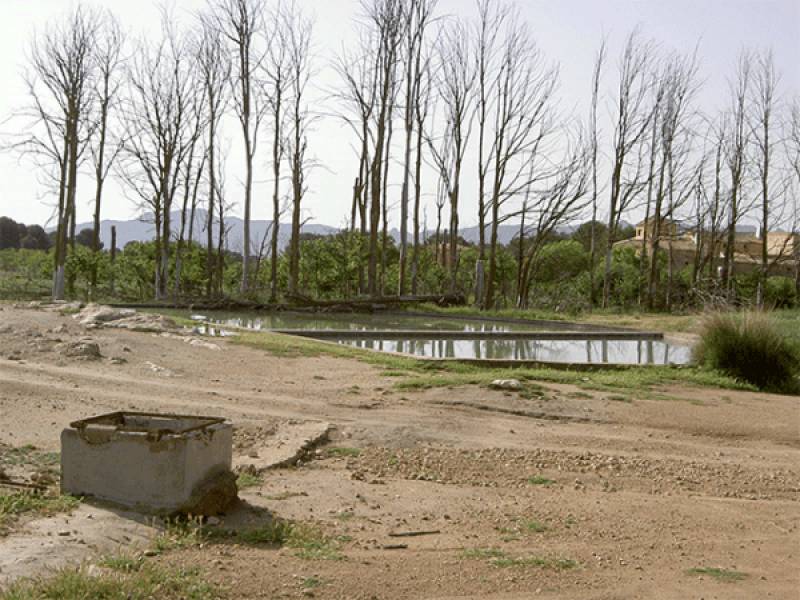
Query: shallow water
{"points": [[561, 351], [573, 350], [375, 322]]}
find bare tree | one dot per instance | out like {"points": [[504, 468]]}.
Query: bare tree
{"points": [[419, 14], [454, 80], [792, 141], [241, 22], [491, 21], [214, 67], [564, 194], [762, 122], [422, 103], [385, 19], [524, 121], [158, 113], [676, 90], [276, 67], [298, 29], [104, 147], [60, 83], [359, 97], [596, 73], [736, 159], [631, 121]]}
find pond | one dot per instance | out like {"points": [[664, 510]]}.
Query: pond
{"points": [[434, 336]]}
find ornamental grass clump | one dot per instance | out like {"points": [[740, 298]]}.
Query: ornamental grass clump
{"points": [[752, 348]]}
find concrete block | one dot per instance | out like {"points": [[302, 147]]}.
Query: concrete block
{"points": [[160, 464]]}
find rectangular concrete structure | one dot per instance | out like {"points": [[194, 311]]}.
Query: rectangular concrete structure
{"points": [[148, 462]]}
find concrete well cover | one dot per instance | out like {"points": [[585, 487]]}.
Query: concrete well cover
{"points": [[150, 462]]}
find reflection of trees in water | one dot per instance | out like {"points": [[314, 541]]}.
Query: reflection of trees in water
{"points": [[578, 351]]}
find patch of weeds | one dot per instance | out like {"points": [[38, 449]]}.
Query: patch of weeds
{"points": [[579, 395], [29, 455], [619, 398], [180, 533], [393, 460], [534, 561], [534, 526], [354, 389], [343, 452], [394, 373], [16, 504], [345, 515], [494, 553], [311, 583], [530, 391], [725, 575], [124, 564], [247, 480], [570, 521], [274, 533], [311, 543], [150, 581], [344, 539], [540, 480]]}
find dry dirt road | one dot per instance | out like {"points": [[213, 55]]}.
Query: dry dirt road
{"points": [[598, 499]]}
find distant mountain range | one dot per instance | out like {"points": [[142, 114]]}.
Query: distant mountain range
{"points": [[142, 229]]}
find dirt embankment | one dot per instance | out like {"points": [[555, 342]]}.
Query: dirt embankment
{"points": [[598, 498]]}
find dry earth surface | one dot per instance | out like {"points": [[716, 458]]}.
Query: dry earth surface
{"points": [[598, 498]]}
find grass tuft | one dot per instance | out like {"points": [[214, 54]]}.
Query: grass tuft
{"points": [[725, 575], [343, 452], [540, 480], [17, 504], [248, 480], [147, 581], [750, 347]]}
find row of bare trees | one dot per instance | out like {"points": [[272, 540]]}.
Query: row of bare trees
{"points": [[675, 164], [454, 103], [150, 110]]}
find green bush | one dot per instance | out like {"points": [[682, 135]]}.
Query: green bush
{"points": [[781, 292], [752, 348]]}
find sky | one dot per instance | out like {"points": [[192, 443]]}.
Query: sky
{"points": [[567, 31]]}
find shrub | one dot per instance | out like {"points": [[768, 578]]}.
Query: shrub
{"points": [[751, 348]]}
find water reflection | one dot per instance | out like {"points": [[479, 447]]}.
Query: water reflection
{"points": [[564, 351], [371, 322]]}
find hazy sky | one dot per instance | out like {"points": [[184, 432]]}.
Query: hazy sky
{"points": [[568, 31]]}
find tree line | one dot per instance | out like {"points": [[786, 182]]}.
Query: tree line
{"points": [[440, 100]]}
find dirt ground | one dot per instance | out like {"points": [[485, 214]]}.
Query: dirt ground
{"points": [[597, 498]]}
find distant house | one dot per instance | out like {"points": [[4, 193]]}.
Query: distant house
{"points": [[783, 248]]}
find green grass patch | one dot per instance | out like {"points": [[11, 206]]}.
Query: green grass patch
{"points": [[147, 581], [16, 504], [532, 526], [725, 575], [619, 398], [312, 583], [125, 564], [540, 480], [558, 564], [339, 452], [483, 553], [311, 543], [248, 480]]}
